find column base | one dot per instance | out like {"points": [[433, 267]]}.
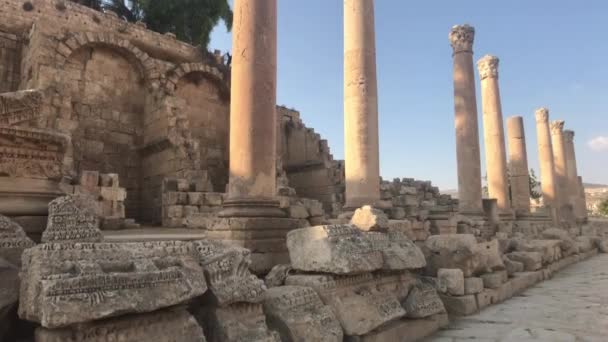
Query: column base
{"points": [[251, 207]]}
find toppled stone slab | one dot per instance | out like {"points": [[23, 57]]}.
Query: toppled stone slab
{"points": [[423, 301], [361, 303], [227, 273], [175, 325], [398, 251], [277, 275], [452, 280], [339, 249], [550, 250], [298, 314], [512, 266], [68, 283], [453, 251], [532, 261], [13, 241], [369, 219], [568, 245], [72, 219], [237, 322]]}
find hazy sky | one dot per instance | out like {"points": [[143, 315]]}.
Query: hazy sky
{"points": [[552, 54]]}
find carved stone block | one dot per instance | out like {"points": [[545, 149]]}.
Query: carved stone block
{"points": [[453, 251], [423, 301], [72, 219], [67, 283], [298, 314], [339, 249], [12, 241], [398, 251], [240, 322]]}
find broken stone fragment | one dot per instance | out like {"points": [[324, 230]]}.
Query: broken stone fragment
{"points": [[277, 275], [452, 280], [490, 254], [367, 218], [532, 261], [584, 243], [68, 283], [549, 249], [568, 245], [72, 219], [494, 280], [237, 322], [13, 241], [298, 314], [453, 251], [511, 266], [398, 251], [473, 285], [422, 301], [339, 249]]}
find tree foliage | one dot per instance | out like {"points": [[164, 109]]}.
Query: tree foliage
{"points": [[535, 192], [602, 208]]}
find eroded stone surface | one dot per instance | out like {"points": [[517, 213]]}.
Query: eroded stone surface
{"points": [[532, 261], [453, 280], [398, 251], [340, 249], [72, 219], [237, 322], [491, 257], [277, 275], [453, 251], [473, 285], [298, 314], [422, 301], [368, 218], [12, 241], [67, 283]]}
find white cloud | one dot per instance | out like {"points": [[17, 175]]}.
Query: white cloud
{"points": [[599, 143]]}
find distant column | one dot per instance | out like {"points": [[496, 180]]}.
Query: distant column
{"points": [[574, 197], [559, 163], [494, 134], [465, 113], [518, 165], [545, 156], [362, 164], [583, 198]]}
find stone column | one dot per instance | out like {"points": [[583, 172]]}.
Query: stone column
{"points": [[574, 197], [559, 163], [518, 165], [583, 199], [362, 166], [545, 156], [252, 183], [493, 131], [465, 112]]}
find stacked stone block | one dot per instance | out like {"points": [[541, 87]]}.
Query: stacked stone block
{"points": [[189, 204]]}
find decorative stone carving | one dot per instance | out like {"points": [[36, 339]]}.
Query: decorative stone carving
{"points": [[362, 302], [67, 283], [72, 219], [557, 127], [423, 301], [542, 115], [19, 107], [461, 38], [175, 325], [227, 273], [398, 251], [237, 323], [298, 314], [277, 275], [488, 66], [339, 249], [12, 241]]}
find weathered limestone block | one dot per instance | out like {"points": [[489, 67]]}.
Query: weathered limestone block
{"points": [[71, 219], [603, 246], [453, 280], [298, 211], [362, 302], [339, 249], [459, 305], [171, 325], [491, 257], [422, 301], [405, 330], [511, 266], [584, 243], [67, 283], [568, 245], [368, 218], [495, 279], [227, 273], [473, 285], [236, 323], [453, 251], [398, 251], [13, 241], [532, 260], [277, 275], [549, 249], [298, 314]]}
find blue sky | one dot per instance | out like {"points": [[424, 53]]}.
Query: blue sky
{"points": [[552, 53]]}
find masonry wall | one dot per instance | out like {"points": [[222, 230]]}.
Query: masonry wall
{"points": [[10, 62]]}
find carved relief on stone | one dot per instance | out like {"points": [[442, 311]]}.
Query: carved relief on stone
{"points": [[461, 38], [568, 136], [542, 115], [488, 67], [72, 219], [68, 283], [19, 107], [239, 322], [423, 301], [398, 251], [12, 241], [557, 127]]}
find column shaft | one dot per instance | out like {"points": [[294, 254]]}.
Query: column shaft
{"points": [[574, 197], [465, 114], [559, 163], [362, 164], [545, 156], [494, 135], [518, 165], [583, 198]]}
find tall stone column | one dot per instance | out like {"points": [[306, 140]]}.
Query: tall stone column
{"points": [[574, 197], [518, 165], [545, 156], [559, 163], [465, 112], [494, 134], [362, 165]]}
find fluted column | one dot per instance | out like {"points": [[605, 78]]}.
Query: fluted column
{"points": [[574, 197], [252, 184], [493, 132], [518, 165], [559, 162], [362, 163], [545, 156], [465, 113]]}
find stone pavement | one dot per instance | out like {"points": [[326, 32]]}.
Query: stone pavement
{"points": [[573, 306]]}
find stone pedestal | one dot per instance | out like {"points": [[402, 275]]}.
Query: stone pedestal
{"points": [[545, 156], [465, 110], [559, 166], [362, 166], [518, 165], [494, 135]]}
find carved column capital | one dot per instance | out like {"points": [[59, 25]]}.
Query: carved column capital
{"points": [[568, 136], [488, 67], [557, 127], [461, 38], [542, 115]]}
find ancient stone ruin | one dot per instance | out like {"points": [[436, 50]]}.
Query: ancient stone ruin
{"points": [[150, 192]]}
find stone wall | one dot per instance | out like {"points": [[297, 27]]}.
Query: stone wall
{"points": [[10, 59]]}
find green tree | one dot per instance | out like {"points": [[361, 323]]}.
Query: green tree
{"points": [[602, 208], [535, 192]]}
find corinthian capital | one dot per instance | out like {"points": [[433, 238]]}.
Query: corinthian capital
{"points": [[542, 115], [488, 67], [461, 38], [569, 136], [557, 127]]}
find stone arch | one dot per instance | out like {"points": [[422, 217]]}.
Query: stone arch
{"points": [[209, 72], [141, 60]]}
